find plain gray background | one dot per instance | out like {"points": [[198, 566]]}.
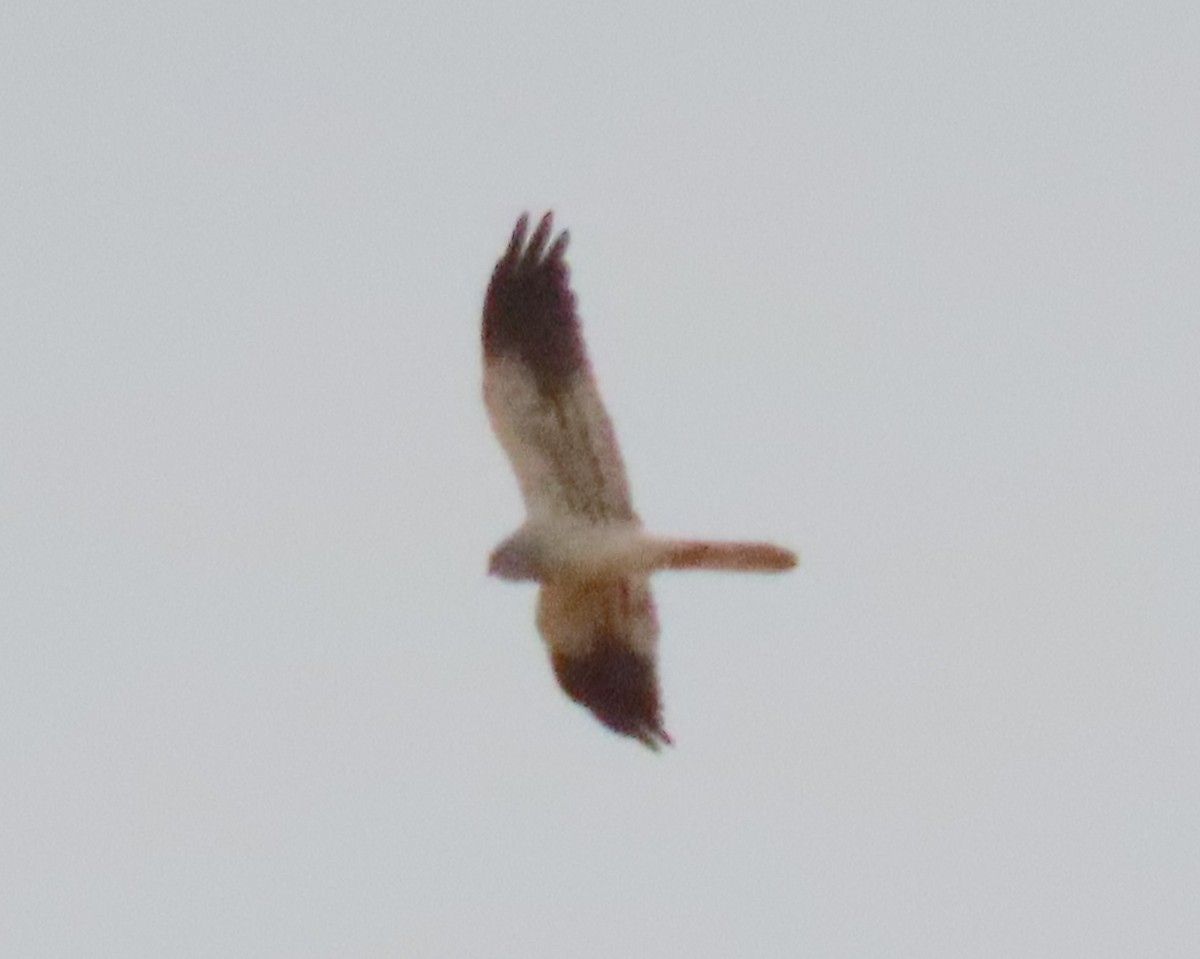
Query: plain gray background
{"points": [[911, 287]]}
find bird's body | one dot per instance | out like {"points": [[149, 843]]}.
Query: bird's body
{"points": [[582, 540]]}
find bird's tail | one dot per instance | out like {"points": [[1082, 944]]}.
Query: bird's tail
{"points": [[732, 556]]}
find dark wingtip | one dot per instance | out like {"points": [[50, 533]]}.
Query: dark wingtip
{"points": [[653, 739], [532, 253], [518, 236], [537, 243], [620, 688], [529, 310], [559, 247]]}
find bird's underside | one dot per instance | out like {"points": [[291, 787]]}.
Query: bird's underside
{"points": [[582, 540]]}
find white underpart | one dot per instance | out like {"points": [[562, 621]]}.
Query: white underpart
{"points": [[582, 551], [567, 549], [562, 448]]}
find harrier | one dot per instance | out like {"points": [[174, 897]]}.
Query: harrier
{"points": [[581, 539]]}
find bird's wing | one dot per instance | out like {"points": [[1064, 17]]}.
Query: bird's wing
{"points": [[538, 386], [603, 636]]}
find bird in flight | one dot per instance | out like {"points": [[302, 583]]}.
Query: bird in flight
{"points": [[581, 540]]}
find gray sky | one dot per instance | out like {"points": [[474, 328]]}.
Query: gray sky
{"points": [[910, 287]]}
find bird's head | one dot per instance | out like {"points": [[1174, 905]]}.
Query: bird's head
{"points": [[513, 560]]}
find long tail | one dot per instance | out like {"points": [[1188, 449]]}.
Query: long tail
{"points": [[738, 557]]}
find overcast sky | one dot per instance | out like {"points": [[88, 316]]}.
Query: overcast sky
{"points": [[910, 287]]}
